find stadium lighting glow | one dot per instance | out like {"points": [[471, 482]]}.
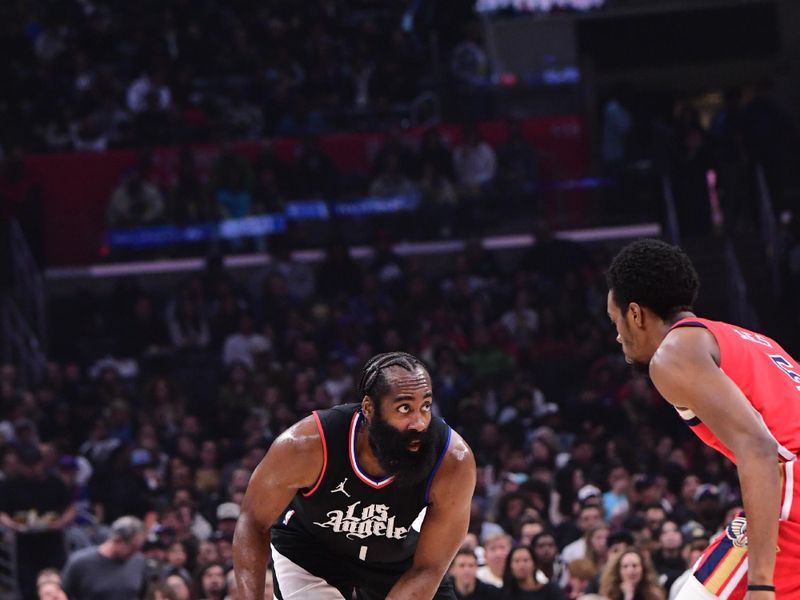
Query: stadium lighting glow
{"points": [[537, 5]]}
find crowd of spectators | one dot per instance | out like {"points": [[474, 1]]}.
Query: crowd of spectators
{"points": [[454, 183], [458, 175], [182, 71], [748, 129], [158, 403]]}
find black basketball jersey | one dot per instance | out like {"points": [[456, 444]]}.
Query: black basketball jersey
{"points": [[348, 517]]}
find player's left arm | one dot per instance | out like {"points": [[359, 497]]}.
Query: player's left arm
{"points": [[686, 373], [445, 525]]}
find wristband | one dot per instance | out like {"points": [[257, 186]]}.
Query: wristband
{"points": [[754, 587]]}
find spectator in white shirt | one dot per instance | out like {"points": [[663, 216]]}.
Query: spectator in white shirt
{"points": [[589, 516], [149, 92], [522, 321], [241, 345], [496, 546], [135, 202], [339, 380], [474, 161]]}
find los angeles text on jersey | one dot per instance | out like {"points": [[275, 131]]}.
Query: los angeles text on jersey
{"points": [[373, 520]]}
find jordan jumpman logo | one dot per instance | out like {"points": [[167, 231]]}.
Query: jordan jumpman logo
{"points": [[340, 488]]}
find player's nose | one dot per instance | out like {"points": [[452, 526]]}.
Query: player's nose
{"points": [[418, 423]]}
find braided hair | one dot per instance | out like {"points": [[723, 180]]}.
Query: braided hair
{"points": [[373, 381]]}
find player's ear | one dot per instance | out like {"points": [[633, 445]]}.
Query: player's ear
{"points": [[637, 314], [367, 407]]}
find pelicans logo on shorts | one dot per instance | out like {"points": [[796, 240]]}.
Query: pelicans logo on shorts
{"points": [[737, 532]]}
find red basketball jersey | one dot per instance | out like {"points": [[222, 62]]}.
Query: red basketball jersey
{"points": [[767, 376]]}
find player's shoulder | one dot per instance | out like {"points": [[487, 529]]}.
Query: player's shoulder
{"points": [[337, 417], [303, 436], [458, 458], [685, 345], [454, 481]]}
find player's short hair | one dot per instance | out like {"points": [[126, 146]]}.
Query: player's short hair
{"points": [[373, 380], [654, 274]]}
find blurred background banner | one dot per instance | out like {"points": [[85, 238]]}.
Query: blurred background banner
{"points": [[76, 187]]}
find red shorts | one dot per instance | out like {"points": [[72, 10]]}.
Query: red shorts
{"points": [[722, 569]]}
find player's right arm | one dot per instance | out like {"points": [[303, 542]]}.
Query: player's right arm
{"points": [[293, 462], [686, 373]]}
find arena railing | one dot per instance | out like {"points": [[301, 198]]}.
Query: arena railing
{"points": [[27, 285], [358, 252], [8, 565], [672, 230], [768, 226], [22, 312], [20, 346], [742, 311]]}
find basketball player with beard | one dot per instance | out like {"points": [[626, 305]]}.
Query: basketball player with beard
{"points": [[739, 391], [372, 498]]}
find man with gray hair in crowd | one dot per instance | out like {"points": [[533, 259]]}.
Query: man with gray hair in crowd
{"points": [[113, 570]]}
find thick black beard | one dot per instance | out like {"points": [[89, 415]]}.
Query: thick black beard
{"points": [[391, 449]]}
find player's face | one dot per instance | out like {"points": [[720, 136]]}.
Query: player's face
{"points": [[399, 425], [408, 405], [626, 335]]}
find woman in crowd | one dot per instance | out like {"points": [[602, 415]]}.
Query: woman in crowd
{"points": [[519, 578], [597, 546], [179, 585], [631, 576]]}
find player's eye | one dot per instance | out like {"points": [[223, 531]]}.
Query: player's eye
{"points": [[427, 406], [404, 409]]}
